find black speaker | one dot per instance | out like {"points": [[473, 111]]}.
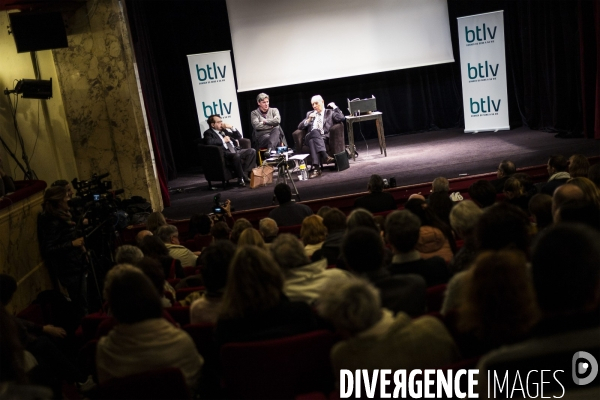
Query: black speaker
{"points": [[341, 161]]}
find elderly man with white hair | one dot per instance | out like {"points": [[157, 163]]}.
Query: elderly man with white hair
{"points": [[318, 123]]}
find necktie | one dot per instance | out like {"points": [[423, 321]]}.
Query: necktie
{"points": [[319, 123], [229, 145]]}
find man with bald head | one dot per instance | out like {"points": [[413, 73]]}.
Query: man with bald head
{"points": [[318, 123], [564, 194], [141, 235]]}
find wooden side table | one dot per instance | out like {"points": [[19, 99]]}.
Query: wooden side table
{"points": [[377, 116]]}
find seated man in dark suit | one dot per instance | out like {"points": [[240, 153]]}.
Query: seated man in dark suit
{"points": [[222, 134], [318, 123], [505, 170], [558, 169], [377, 200], [402, 233]]}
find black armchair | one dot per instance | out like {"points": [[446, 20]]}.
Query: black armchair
{"points": [[335, 145], [212, 160]]}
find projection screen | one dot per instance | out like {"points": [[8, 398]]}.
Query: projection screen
{"points": [[286, 42]]}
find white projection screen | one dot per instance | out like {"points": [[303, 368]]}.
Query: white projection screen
{"points": [[286, 42]]}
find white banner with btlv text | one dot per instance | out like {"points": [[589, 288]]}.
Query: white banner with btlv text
{"points": [[214, 88], [483, 71]]}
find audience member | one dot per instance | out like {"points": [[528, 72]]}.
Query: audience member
{"points": [[558, 171], [200, 224], [359, 217], [591, 194], [440, 184], [128, 254], [312, 234], [499, 305], [402, 233], [155, 220], [579, 211], [579, 166], [377, 200], [375, 339], [153, 247], [483, 193], [304, 280], [288, 213], [464, 217], [220, 231], [563, 194], [323, 210], [142, 340], [540, 208], [514, 192], [238, 227], [141, 235], [170, 237], [505, 170], [335, 222], [441, 205], [251, 237], [435, 237], [363, 252], [254, 305], [268, 229], [215, 261]]}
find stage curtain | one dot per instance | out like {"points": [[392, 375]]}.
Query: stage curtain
{"points": [[589, 50]]}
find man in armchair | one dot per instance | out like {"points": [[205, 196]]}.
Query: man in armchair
{"points": [[222, 134], [318, 123], [266, 123]]}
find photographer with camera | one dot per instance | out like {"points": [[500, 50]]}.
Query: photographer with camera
{"points": [[62, 246]]}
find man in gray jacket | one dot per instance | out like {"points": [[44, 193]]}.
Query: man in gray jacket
{"points": [[266, 123]]}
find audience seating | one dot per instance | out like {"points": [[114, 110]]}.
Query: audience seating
{"points": [[434, 296], [166, 383], [279, 368], [191, 270], [181, 315], [203, 336], [212, 160], [182, 293], [293, 229]]}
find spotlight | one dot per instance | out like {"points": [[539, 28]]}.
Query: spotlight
{"points": [[33, 89]]}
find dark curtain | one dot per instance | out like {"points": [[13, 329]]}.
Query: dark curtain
{"points": [[589, 48], [544, 73]]}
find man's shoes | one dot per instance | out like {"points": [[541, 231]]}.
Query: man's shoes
{"points": [[315, 173], [246, 179], [329, 160], [241, 183]]}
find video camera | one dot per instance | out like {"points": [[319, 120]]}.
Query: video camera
{"points": [[218, 207], [96, 201]]}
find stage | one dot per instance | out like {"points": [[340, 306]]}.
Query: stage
{"points": [[411, 159]]}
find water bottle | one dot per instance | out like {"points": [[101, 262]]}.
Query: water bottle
{"points": [[303, 172]]}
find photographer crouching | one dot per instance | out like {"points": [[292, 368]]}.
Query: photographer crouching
{"points": [[62, 247]]}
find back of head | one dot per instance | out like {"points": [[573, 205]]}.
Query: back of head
{"points": [[254, 283], [351, 305], [579, 166], [52, 198], [362, 249], [220, 231], [155, 220], [483, 193], [579, 211], [566, 269], [141, 235], [594, 174], [154, 271], [440, 184], [441, 205], [166, 232], [215, 260], [251, 237], [507, 168], [375, 184], [591, 193], [131, 296], [540, 206], [503, 226], [268, 229], [361, 218], [464, 217], [402, 230], [8, 287], [334, 220], [153, 247], [288, 252], [239, 226], [312, 230], [513, 187], [128, 254], [499, 304], [565, 193], [558, 162], [323, 210], [283, 193], [200, 224]]}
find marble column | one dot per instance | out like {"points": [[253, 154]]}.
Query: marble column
{"points": [[102, 101]]}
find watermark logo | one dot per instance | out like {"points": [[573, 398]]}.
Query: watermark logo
{"points": [[584, 363]]}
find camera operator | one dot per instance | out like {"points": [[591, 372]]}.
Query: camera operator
{"points": [[62, 247]]}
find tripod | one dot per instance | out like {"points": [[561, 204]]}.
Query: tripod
{"points": [[283, 174]]}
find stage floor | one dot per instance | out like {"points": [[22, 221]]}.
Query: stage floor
{"points": [[411, 159]]}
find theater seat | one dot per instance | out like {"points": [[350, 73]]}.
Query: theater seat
{"points": [[336, 141], [212, 160], [279, 368], [434, 296]]}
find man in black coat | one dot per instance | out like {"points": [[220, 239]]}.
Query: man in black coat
{"points": [[377, 200], [222, 134]]}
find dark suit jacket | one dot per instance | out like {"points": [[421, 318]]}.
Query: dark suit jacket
{"points": [[434, 270], [212, 138], [330, 118], [376, 202]]}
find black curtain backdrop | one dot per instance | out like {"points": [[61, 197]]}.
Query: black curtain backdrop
{"points": [[542, 56]]}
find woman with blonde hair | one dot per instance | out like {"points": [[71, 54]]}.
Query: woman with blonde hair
{"points": [[155, 220], [254, 306], [499, 305], [578, 166], [251, 237], [313, 234]]}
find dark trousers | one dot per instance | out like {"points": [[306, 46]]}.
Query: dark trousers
{"points": [[242, 161], [269, 140], [316, 145], [76, 285]]}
